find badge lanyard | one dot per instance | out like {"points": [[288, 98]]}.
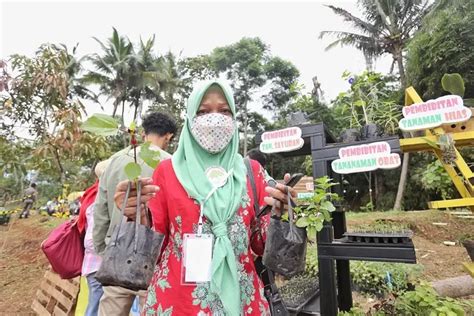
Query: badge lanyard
{"points": [[198, 248], [214, 189]]}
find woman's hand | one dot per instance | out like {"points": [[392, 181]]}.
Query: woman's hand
{"points": [[148, 192], [278, 196]]}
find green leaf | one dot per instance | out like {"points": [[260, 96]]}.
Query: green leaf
{"points": [[326, 205], [431, 143], [360, 103], [453, 83], [101, 124], [149, 156], [133, 170], [318, 226], [133, 126], [468, 102], [302, 222]]}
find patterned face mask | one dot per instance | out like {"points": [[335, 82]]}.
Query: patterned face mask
{"points": [[213, 131]]}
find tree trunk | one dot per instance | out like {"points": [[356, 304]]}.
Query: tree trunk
{"points": [[398, 55], [62, 176], [377, 190], [116, 104], [246, 123], [406, 156], [122, 126], [454, 287], [402, 182]]}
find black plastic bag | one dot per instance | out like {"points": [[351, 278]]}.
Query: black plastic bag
{"points": [[130, 257], [285, 247]]}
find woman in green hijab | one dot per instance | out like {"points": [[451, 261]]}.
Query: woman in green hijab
{"points": [[202, 202]]}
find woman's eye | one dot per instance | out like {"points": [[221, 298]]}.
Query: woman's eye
{"points": [[201, 112]]}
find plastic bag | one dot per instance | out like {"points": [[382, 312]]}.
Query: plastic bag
{"points": [[285, 248], [130, 257]]}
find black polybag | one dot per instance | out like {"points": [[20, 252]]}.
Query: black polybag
{"points": [[285, 247], [130, 257]]}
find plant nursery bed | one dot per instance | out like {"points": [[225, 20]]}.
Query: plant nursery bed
{"points": [[379, 238]]}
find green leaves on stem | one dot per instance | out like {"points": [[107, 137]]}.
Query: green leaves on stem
{"points": [[316, 210], [101, 124], [453, 83], [150, 157]]}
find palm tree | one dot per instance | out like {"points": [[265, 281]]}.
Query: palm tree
{"points": [[112, 69], [387, 28]]}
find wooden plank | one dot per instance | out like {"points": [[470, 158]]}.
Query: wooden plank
{"points": [[469, 267], [59, 312], [39, 309], [41, 297], [416, 144], [71, 288], [59, 296], [452, 203]]}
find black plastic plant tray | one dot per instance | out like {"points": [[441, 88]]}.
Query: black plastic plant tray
{"points": [[376, 238], [299, 308]]}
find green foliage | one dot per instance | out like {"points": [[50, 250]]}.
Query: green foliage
{"points": [[372, 98], [369, 207], [381, 226], [318, 208], [435, 178], [443, 45], [101, 124], [372, 277], [354, 311], [453, 83], [386, 27], [425, 301], [132, 170], [312, 259], [149, 156]]}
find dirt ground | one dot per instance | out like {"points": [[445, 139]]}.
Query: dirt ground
{"points": [[22, 264]]}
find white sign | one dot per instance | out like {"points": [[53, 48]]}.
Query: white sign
{"points": [[448, 109], [283, 140], [364, 158]]}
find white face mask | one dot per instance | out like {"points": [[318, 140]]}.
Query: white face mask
{"points": [[213, 131]]}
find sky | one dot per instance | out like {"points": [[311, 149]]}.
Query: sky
{"points": [[291, 29]]}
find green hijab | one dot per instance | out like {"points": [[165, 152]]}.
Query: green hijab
{"points": [[190, 163]]}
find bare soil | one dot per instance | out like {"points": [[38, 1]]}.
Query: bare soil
{"points": [[22, 263]]}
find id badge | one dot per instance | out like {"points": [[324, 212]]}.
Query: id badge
{"points": [[197, 258]]}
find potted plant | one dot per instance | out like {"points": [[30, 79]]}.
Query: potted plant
{"points": [[313, 211]]}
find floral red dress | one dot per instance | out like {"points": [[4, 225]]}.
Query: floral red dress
{"points": [[175, 214]]}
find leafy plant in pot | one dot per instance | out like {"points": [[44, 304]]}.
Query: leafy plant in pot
{"points": [[133, 249], [315, 210], [285, 249], [307, 219]]}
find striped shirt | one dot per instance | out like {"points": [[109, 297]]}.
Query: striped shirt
{"points": [[91, 261]]}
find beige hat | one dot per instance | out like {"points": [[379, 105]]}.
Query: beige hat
{"points": [[100, 167]]}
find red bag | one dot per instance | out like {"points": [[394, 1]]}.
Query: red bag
{"points": [[64, 249]]}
